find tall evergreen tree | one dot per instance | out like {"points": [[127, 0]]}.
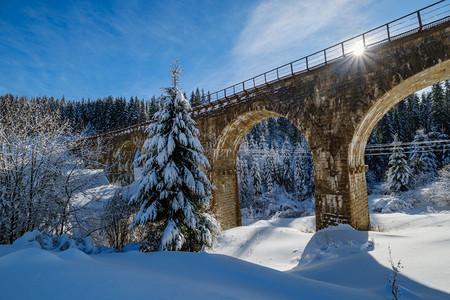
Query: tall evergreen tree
{"points": [[192, 99], [399, 125], [399, 174], [299, 178], [153, 105], [174, 192], [243, 174], [203, 97], [196, 98], [272, 170], [426, 118], [286, 166], [412, 115], [383, 132], [440, 109], [256, 177], [422, 158]]}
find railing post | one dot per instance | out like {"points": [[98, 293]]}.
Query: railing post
{"points": [[325, 56], [292, 69], [225, 93], [342, 48], [234, 90], [265, 79], [420, 20], [243, 86], [277, 75], [364, 40], [254, 85], [388, 33], [307, 67]]}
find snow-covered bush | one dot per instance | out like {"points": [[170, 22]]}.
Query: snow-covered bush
{"points": [[42, 169], [393, 279], [63, 242], [430, 195], [438, 193], [278, 204], [32, 161], [391, 204], [117, 217]]}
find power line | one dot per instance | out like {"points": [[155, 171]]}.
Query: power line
{"points": [[407, 143], [389, 153], [371, 150], [441, 145]]}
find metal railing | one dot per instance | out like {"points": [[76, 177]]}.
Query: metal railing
{"points": [[426, 17]]}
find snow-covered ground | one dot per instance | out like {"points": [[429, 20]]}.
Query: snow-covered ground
{"points": [[272, 259], [415, 226], [345, 257], [337, 263]]}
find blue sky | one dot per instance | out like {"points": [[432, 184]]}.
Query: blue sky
{"points": [[93, 49]]}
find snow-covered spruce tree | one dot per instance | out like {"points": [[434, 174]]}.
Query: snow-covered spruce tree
{"points": [[422, 157], [299, 178], [286, 166], [256, 176], [303, 171], [399, 174], [440, 111], [174, 192]]}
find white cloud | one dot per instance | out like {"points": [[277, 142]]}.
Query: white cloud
{"points": [[276, 25], [279, 31]]}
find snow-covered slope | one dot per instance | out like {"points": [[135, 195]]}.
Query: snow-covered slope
{"points": [[32, 273], [345, 257]]}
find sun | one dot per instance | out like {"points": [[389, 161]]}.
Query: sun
{"points": [[358, 50]]}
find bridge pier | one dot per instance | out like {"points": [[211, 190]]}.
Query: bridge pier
{"points": [[340, 190], [359, 202], [225, 200]]}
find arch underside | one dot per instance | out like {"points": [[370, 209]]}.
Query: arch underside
{"points": [[230, 140], [121, 168], [359, 206], [435, 74], [226, 200], [224, 174]]}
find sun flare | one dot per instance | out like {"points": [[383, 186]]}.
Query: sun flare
{"points": [[358, 50]]}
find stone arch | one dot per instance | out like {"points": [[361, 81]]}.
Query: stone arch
{"points": [[121, 170], [359, 208], [120, 156], [380, 107], [226, 202]]}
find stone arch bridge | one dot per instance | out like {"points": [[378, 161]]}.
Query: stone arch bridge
{"points": [[335, 103]]}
